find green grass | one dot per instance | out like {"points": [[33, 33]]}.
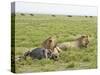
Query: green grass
{"points": [[30, 31]]}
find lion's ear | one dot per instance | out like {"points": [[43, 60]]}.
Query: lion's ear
{"points": [[83, 36]]}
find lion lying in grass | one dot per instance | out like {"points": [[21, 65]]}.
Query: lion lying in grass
{"points": [[80, 42], [51, 50]]}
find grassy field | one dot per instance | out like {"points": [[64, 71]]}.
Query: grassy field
{"points": [[30, 31]]}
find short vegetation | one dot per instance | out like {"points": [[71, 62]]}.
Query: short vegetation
{"points": [[31, 31]]}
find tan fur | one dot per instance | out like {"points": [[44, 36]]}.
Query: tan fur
{"points": [[56, 51], [82, 41], [49, 44]]}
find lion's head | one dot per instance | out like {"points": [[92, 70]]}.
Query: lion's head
{"points": [[83, 41]]}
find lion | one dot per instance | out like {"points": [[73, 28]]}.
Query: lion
{"points": [[49, 44], [80, 42], [55, 53]]}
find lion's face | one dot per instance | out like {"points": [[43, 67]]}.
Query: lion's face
{"points": [[55, 54], [84, 41], [55, 57], [50, 43]]}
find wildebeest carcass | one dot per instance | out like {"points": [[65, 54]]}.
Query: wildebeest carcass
{"points": [[39, 53]]}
